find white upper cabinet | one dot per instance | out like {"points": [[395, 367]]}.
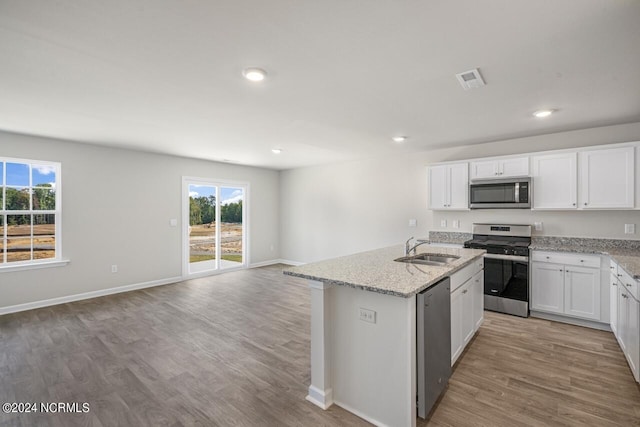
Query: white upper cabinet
{"points": [[555, 181], [607, 178], [500, 168], [449, 187]]}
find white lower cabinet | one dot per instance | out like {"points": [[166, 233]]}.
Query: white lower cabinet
{"points": [[467, 311], [566, 284], [613, 303], [477, 288], [625, 323]]}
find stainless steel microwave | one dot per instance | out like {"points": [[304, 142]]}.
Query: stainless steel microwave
{"points": [[512, 193]]}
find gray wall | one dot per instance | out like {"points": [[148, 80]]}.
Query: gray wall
{"points": [[349, 207], [116, 207]]}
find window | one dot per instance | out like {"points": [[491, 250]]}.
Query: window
{"points": [[29, 212]]}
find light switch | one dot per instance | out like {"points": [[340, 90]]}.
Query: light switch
{"points": [[413, 222], [173, 222], [537, 226], [367, 315], [443, 223]]}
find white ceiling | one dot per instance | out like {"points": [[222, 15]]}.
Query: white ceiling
{"points": [[344, 75]]}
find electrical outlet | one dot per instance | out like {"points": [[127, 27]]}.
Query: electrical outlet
{"points": [[443, 223], [629, 229], [173, 222], [455, 223], [413, 222], [367, 315], [114, 268], [537, 226]]}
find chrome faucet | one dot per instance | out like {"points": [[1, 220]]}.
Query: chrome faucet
{"points": [[408, 248]]}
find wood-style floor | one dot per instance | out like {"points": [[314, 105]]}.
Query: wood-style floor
{"points": [[233, 350]]}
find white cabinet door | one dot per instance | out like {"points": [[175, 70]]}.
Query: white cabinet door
{"points": [[438, 191], [449, 186], [613, 304], [477, 289], [514, 167], [547, 287], [629, 329], [500, 168], [457, 342], [458, 186], [623, 318], [467, 312], [555, 181], [484, 169], [582, 292], [633, 344], [607, 178]]}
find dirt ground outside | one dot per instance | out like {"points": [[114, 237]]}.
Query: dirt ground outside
{"points": [[19, 242], [202, 242]]}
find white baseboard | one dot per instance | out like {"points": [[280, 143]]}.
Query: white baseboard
{"points": [[321, 398], [264, 263], [570, 320], [289, 262], [86, 295], [275, 261]]}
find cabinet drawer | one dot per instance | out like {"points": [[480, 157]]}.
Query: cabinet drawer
{"points": [[591, 261], [629, 283], [460, 277]]}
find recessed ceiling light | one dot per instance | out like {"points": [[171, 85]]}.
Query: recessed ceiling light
{"points": [[541, 114], [399, 139], [276, 150], [254, 74]]}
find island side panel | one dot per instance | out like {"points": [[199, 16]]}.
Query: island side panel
{"points": [[373, 364], [320, 392]]}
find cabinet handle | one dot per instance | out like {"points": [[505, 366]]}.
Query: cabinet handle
{"points": [[560, 269], [619, 275], [624, 296], [581, 260], [614, 284], [628, 284], [585, 203], [547, 257], [612, 268], [574, 204]]}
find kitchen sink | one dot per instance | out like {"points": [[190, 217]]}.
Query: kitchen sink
{"points": [[429, 259]]}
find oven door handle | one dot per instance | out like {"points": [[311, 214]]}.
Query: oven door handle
{"points": [[508, 257]]}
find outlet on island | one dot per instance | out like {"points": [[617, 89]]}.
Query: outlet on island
{"points": [[367, 315]]}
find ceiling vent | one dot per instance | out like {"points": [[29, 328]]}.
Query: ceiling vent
{"points": [[470, 79]]}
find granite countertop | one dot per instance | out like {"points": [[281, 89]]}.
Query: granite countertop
{"points": [[626, 253], [377, 271]]}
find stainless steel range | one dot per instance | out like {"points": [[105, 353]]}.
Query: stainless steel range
{"points": [[506, 266]]}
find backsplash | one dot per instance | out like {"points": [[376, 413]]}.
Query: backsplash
{"points": [[449, 237]]}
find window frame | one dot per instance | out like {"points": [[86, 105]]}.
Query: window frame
{"points": [[57, 213]]}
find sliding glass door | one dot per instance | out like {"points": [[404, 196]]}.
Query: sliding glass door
{"points": [[215, 229]]}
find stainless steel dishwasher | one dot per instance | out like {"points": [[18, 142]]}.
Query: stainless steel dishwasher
{"points": [[433, 344]]}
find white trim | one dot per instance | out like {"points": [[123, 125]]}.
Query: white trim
{"points": [[266, 263], [360, 414], [87, 295], [218, 183], [571, 320], [323, 399], [34, 265], [289, 262]]}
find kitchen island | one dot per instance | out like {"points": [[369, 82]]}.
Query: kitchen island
{"points": [[363, 328]]}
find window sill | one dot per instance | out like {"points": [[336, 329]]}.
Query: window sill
{"points": [[34, 266]]}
